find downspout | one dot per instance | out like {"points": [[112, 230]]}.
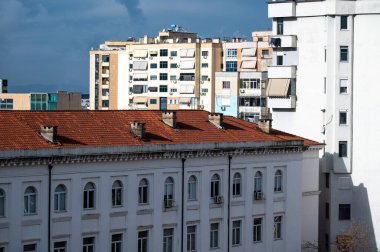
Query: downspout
{"points": [[352, 94], [229, 203], [183, 202], [50, 167]]}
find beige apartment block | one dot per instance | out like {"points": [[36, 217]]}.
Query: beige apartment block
{"points": [[175, 70], [12, 101]]}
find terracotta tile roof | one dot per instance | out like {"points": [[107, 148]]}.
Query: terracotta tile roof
{"points": [[20, 129]]}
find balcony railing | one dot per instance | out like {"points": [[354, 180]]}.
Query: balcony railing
{"points": [[282, 72], [282, 102], [284, 41], [281, 9]]}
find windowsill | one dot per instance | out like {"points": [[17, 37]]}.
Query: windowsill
{"points": [[214, 205], [30, 214], [277, 239], [215, 248], [118, 206], [236, 245], [60, 211], [257, 242], [343, 125]]}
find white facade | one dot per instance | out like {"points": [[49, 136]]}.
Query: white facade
{"points": [[72, 225], [333, 87]]}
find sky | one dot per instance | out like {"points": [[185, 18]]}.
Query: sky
{"points": [[45, 44]]}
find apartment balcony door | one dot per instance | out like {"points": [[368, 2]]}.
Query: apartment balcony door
{"points": [[163, 103]]}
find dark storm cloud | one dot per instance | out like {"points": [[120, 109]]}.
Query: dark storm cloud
{"points": [[44, 44]]}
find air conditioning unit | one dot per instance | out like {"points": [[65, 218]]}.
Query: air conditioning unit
{"points": [[178, 66], [223, 108], [201, 106], [130, 57], [171, 93], [205, 57], [130, 69], [130, 81], [208, 79], [151, 57], [242, 91], [170, 57], [174, 81], [258, 196], [218, 199], [203, 94], [130, 93], [169, 203]]}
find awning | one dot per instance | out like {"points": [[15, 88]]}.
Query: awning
{"points": [[140, 53], [138, 89], [278, 87], [140, 65], [153, 52], [140, 77], [186, 89], [140, 99], [248, 64], [188, 64], [186, 100], [187, 53], [248, 52], [153, 89]]}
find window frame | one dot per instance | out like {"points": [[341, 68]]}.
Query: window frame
{"points": [[88, 194], [226, 84], [280, 26], [277, 227], [192, 188], [90, 243], [258, 187], [163, 64], [236, 232], [258, 229], [343, 86], [343, 119], [117, 193], [169, 188], [343, 148], [143, 192], [117, 242], [164, 52], [231, 66], [236, 185], [278, 181], [344, 212], [191, 239], [3, 199], [344, 54], [30, 201], [231, 53], [214, 235], [60, 198], [168, 240], [143, 241], [344, 22], [60, 246], [215, 186]]}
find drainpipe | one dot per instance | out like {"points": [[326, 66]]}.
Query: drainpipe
{"points": [[183, 202], [229, 203], [50, 167], [352, 95]]}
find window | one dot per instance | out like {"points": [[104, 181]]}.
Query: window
{"points": [[186, 77], [250, 83], [163, 88], [163, 64], [226, 85], [342, 117], [344, 22], [153, 101], [89, 196], [30, 247], [280, 60], [257, 229], [116, 243], [265, 52], [327, 210], [280, 26], [168, 240], [60, 246], [173, 77], [105, 103], [153, 77], [278, 181], [2, 203], [105, 58], [343, 53], [143, 241], [169, 188], [215, 185], [277, 227], [60, 198], [327, 241], [343, 83], [236, 232], [89, 244], [231, 53], [204, 53], [204, 90], [153, 65], [173, 90], [30, 200], [191, 238], [327, 179], [204, 78], [173, 65], [173, 53], [344, 212], [204, 65], [231, 66], [324, 85], [342, 148], [6, 104], [163, 76], [192, 188], [236, 185], [117, 193], [214, 235], [258, 182], [143, 191], [164, 52]]}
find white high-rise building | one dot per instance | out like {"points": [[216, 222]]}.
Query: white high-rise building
{"points": [[322, 85]]}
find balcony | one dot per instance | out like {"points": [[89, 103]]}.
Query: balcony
{"points": [[251, 92], [105, 64], [282, 72], [249, 109], [284, 41], [106, 74], [278, 8], [282, 102]]}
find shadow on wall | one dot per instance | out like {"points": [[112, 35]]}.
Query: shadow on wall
{"points": [[361, 228]]}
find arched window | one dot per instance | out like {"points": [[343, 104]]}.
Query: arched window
{"points": [[192, 188], [60, 198], [258, 186], [215, 185], [278, 181], [169, 188], [143, 191], [2, 203], [117, 193], [30, 200], [89, 196], [236, 185]]}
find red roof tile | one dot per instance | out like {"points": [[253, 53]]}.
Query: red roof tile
{"points": [[20, 129]]}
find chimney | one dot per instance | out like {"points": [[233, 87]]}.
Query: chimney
{"points": [[138, 129], [49, 133], [265, 121], [216, 118], [170, 118]]}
